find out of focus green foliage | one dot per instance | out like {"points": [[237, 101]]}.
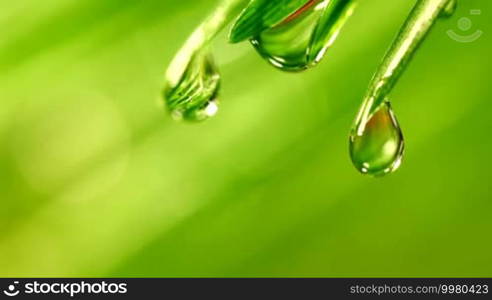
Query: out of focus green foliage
{"points": [[96, 180]]}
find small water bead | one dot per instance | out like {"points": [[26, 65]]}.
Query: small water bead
{"points": [[301, 40], [194, 97], [378, 148]]}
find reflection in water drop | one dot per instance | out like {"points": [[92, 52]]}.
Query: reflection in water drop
{"points": [[378, 148], [194, 97], [301, 40]]}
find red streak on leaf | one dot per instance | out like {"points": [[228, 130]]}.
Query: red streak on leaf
{"points": [[300, 11]]}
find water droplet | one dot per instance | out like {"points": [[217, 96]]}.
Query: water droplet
{"points": [[449, 9], [377, 147], [300, 41], [194, 97]]}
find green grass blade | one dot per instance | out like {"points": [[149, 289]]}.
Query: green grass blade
{"points": [[262, 14], [418, 24]]}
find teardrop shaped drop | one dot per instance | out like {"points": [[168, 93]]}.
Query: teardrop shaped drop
{"points": [[300, 41], [378, 148], [194, 97]]}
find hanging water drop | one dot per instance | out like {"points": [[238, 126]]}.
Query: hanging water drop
{"points": [[301, 40], [377, 147], [376, 140], [194, 96]]}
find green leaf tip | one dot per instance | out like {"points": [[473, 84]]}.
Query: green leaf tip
{"points": [[263, 14]]}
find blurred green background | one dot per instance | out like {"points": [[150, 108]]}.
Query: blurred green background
{"points": [[97, 180]]}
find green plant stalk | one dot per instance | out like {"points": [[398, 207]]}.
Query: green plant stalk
{"points": [[417, 26], [225, 12]]}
